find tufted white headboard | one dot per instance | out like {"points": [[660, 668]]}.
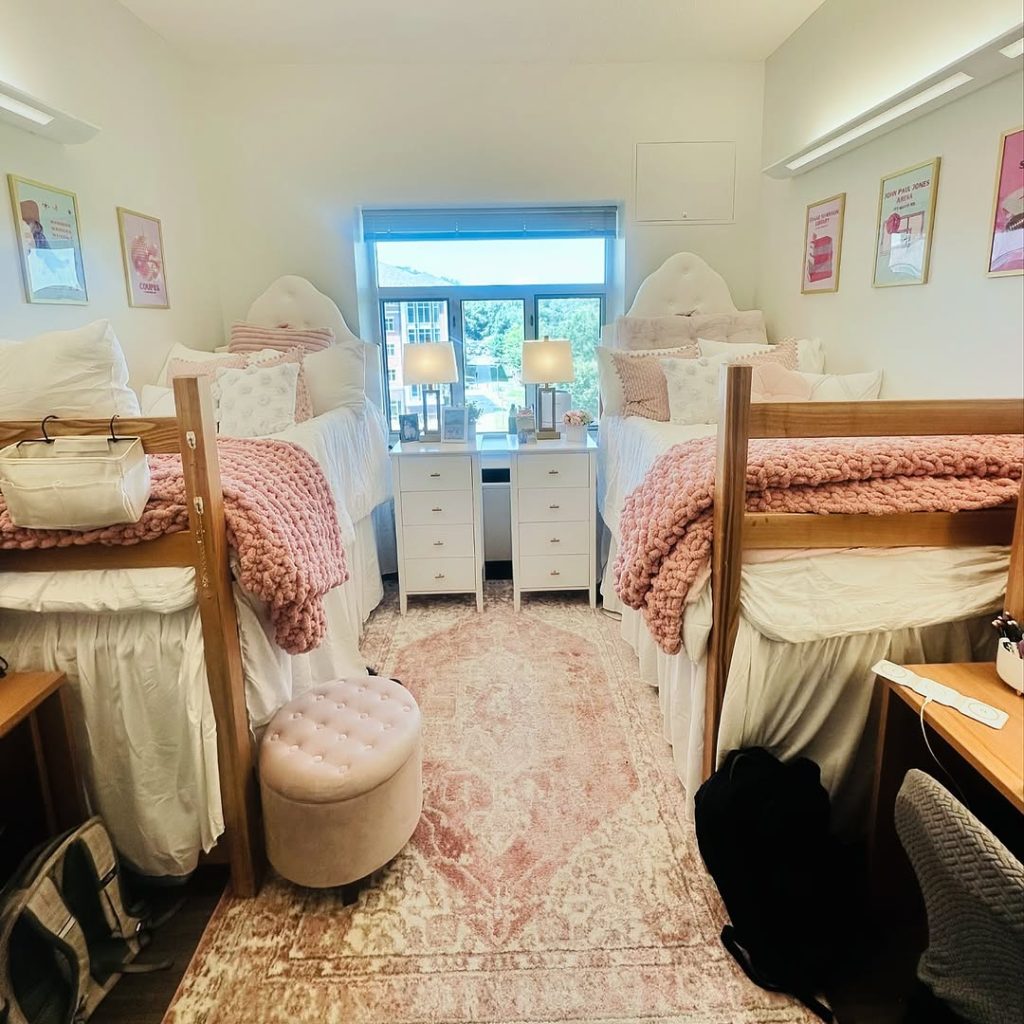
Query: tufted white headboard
{"points": [[683, 284], [292, 301]]}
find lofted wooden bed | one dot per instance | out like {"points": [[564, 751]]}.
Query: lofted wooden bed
{"points": [[204, 547], [736, 529]]}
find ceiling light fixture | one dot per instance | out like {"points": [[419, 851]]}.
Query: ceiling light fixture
{"points": [[24, 110], [1014, 49], [890, 114]]}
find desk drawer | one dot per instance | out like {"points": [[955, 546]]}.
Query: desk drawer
{"points": [[420, 508], [438, 540], [437, 473], [554, 572], [554, 470], [440, 574], [568, 538], [554, 504]]}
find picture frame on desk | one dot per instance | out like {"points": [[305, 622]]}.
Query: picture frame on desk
{"points": [[409, 427], [526, 426], [454, 424]]}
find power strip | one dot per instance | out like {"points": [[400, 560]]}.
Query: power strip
{"points": [[967, 706]]}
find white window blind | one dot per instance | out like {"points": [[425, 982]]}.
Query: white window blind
{"points": [[412, 225]]}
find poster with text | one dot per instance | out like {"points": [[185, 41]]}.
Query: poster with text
{"points": [[50, 245], [1006, 252], [906, 211], [142, 248], [823, 243]]}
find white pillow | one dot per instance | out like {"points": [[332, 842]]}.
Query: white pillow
{"points": [[76, 373], [844, 387], [157, 401], [336, 375], [179, 351], [610, 383], [692, 388], [810, 358], [256, 401]]}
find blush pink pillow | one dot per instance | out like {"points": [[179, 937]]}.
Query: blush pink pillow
{"points": [[253, 337], [644, 390], [303, 398], [772, 382], [785, 354], [203, 367]]}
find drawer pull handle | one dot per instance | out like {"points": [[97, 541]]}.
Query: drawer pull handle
{"points": [[435, 476], [438, 543], [554, 506], [439, 576], [555, 572], [552, 472], [437, 508], [556, 540]]}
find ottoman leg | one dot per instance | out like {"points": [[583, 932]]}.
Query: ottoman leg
{"points": [[350, 892]]}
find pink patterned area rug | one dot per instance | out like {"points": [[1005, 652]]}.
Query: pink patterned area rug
{"points": [[553, 876]]}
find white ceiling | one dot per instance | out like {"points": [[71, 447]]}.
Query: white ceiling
{"points": [[471, 31]]}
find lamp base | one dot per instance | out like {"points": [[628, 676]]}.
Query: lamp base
{"points": [[431, 433], [548, 435], [546, 429]]}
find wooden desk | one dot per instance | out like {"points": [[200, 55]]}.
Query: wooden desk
{"points": [[41, 698], [994, 756]]}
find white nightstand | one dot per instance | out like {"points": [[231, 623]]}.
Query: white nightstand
{"points": [[438, 520], [554, 517]]}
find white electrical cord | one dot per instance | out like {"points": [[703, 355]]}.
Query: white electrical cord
{"points": [[924, 735]]}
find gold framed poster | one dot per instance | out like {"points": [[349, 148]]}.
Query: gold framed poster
{"points": [[1006, 225], [142, 250], [906, 216], [823, 245], [49, 242]]}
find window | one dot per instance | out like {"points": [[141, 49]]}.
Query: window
{"points": [[488, 279]]}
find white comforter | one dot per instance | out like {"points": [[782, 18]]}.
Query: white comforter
{"points": [[131, 644]]}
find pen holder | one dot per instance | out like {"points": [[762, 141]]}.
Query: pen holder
{"points": [[1010, 665]]}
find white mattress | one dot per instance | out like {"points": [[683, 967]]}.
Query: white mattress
{"points": [[812, 623], [131, 644]]}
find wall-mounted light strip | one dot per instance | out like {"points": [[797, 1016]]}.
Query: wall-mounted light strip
{"points": [[883, 118], [24, 110], [1014, 49]]}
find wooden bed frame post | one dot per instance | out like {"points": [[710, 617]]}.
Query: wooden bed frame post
{"points": [[223, 654], [727, 546], [1015, 581]]}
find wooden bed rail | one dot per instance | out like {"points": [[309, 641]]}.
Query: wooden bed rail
{"points": [[192, 434], [735, 529]]}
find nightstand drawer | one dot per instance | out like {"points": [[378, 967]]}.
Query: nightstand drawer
{"points": [[554, 470], [440, 574], [554, 572], [568, 538], [420, 508], [554, 504], [438, 541], [437, 473]]}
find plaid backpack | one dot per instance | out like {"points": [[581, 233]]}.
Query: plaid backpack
{"points": [[66, 932]]}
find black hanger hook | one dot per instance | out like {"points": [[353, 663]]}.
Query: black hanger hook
{"points": [[42, 427], [113, 436]]}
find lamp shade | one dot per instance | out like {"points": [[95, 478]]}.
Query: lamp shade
{"points": [[432, 362], [547, 362]]}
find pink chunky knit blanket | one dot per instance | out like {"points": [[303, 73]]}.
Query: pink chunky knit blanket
{"points": [[666, 526], [281, 522]]}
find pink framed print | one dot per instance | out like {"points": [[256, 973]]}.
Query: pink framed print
{"points": [[142, 249], [823, 245], [1006, 239]]}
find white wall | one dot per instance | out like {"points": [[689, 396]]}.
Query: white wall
{"points": [[851, 55], [95, 60], [292, 151]]}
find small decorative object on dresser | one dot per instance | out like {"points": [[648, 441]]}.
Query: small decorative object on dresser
{"points": [[454, 424], [554, 517], [409, 427], [438, 520], [526, 427], [576, 422]]}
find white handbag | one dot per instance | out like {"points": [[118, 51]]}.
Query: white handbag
{"points": [[75, 483]]}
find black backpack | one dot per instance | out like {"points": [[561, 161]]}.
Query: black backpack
{"points": [[763, 831]]}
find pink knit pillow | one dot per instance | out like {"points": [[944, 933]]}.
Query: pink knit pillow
{"points": [[253, 337], [772, 382], [643, 382], [786, 354], [202, 367], [303, 399]]}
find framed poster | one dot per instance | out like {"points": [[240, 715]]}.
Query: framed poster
{"points": [[823, 245], [454, 423], [409, 426], [906, 212], [1006, 238], [142, 250], [49, 242]]}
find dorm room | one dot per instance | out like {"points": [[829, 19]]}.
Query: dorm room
{"points": [[528, 523]]}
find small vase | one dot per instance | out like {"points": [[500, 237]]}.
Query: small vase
{"points": [[574, 435]]}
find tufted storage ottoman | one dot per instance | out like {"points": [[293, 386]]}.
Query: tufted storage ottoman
{"points": [[340, 775]]}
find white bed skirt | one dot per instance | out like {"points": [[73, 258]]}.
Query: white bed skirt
{"points": [[146, 729], [830, 717]]}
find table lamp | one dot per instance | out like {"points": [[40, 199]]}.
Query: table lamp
{"points": [[429, 364], [546, 362]]}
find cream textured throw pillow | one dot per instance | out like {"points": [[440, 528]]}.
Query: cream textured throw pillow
{"points": [[636, 383], [773, 383], [256, 401]]}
